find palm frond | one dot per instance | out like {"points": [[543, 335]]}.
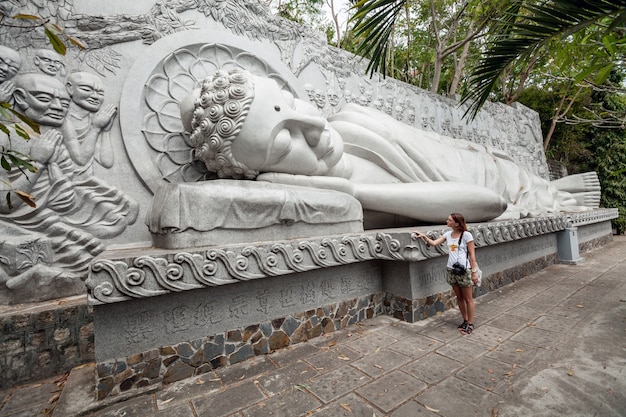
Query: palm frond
{"points": [[374, 21], [525, 29]]}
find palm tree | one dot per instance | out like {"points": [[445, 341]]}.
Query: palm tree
{"points": [[528, 26]]}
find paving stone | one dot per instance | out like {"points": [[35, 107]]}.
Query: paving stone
{"points": [[225, 402], [380, 362], [391, 390], [516, 353], [401, 330], [338, 336], [183, 410], [463, 350], [333, 358], [416, 346], [535, 337], [413, 409], [442, 331], [133, 407], [433, 368], [250, 368], [289, 403], [567, 288], [27, 396], [179, 391], [572, 314], [491, 374], [490, 335], [293, 353], [529, 312], [370, 342], [509, 322], [282, 379], [350, 405], [455, 397], [337, 383], [554, 324]]}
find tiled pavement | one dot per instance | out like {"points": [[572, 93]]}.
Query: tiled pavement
{"points": [[551, 344]]}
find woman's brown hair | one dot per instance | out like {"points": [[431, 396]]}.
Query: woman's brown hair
{"points": [[458, 218]]}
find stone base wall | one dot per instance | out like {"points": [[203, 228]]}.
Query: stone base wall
{"points": [[423, 308], [46, 339], [172, 363]]}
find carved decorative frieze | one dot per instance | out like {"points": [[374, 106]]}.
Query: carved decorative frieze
{"points": [[113, 279]]}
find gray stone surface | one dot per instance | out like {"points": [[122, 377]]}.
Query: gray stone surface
{"points": [[123, 329], [128, 139], [578, 373]]}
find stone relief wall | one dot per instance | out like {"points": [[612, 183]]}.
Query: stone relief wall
{"points": [[111, 130]]}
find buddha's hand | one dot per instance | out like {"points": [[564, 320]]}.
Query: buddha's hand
{"points": [[328, 183]]}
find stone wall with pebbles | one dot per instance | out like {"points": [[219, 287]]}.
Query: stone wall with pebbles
{"points": [[44, 339], [172, 363]]}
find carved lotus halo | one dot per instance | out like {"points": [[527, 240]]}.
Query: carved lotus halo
{"points": [[177, 75]]}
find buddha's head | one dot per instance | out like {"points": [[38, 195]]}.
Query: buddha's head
{"points": [[242, 124]]}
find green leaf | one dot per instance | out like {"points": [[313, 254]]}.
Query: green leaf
{"points": [[603, 74], [5, 129], [30, 122], [54, 39], [5, 164], [21, 132], [609, 43], [8, 200]]}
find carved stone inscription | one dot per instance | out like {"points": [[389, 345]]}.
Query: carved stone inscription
{"points": [[593, 231], [507, 255], [122, 329]]}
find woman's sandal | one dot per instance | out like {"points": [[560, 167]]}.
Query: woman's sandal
{"points": [[469, 328], [462, 325]]}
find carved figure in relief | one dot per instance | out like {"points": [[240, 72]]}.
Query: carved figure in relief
{"points": [[245, 126], [88, 122], [72, 211], [49, 62], [10, 64]]}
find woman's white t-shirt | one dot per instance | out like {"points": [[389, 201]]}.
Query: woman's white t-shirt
{"points": [[456, 252]]}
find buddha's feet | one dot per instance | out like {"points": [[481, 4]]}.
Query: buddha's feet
{"points": [[584, 188]]}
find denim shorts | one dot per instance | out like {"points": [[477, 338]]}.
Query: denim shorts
{"points": [[460, 280]]}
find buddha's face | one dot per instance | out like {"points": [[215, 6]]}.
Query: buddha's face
{"points": [[42, 98], [49, 62], [86, 90], [284, 134], [10, 63]]}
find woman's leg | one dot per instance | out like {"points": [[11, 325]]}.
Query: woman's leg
{"points": [[460, 301], [467, 293]]}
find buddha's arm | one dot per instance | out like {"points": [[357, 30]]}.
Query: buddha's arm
{"points": [[428, 202], [432, 201]]}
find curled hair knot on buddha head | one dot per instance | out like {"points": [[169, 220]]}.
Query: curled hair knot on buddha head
{"points": [[218, 114]]}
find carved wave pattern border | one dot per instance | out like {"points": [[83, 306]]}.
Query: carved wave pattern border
{"points": [[115, 280]]}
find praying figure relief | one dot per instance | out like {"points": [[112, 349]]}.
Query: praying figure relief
{"points": [[389, 167], [88, 122], [74, 209], [10, 64], [49, 62]]}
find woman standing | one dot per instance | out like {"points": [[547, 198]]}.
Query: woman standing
{"points": [[462, 268]]}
